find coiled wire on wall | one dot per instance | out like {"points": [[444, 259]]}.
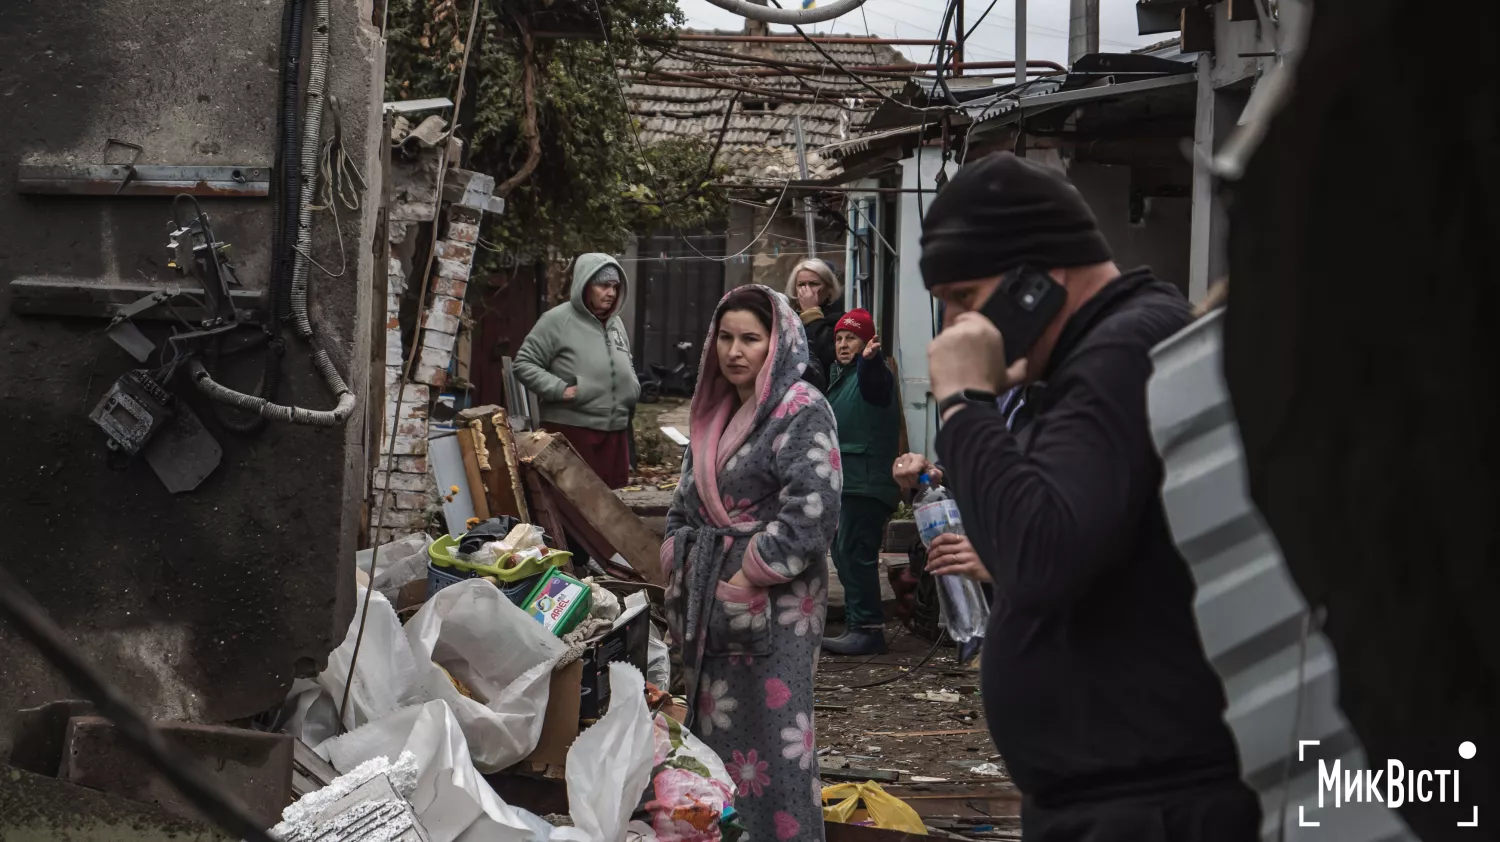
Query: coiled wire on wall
{"points": [[307, 184]]}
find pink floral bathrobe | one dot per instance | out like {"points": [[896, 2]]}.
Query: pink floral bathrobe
{"points": [[759, 493]]}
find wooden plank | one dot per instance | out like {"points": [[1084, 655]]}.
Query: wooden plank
{"points": [[502, 477], [838, 832], [510, 458], [1197, 30], [859, 775], [309, 771], [545, 508], [954, 733], [605, 513], [999, 799], [1243, 10], [39, 297], [477, 491]]}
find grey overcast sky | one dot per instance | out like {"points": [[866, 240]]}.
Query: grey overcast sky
{"points": [[1047, 25]]}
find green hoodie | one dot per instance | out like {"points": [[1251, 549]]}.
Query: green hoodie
{"points": [[571, 347]]}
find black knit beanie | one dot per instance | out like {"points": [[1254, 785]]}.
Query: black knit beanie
{"points": [[1001, 212]]}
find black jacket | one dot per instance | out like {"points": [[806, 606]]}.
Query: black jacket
{"points": [[1094, 676], [820, 336]]}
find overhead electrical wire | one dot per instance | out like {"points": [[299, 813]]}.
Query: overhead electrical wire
{"points": [[851, 74]]}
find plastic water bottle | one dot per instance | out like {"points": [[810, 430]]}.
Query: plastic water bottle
{"points": [[961, 600]]}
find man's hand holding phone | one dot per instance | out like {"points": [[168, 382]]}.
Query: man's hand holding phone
{"points": [[970, 354]]}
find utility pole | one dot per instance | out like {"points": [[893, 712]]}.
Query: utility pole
{"points": [[958, 52], [807, 205], [1083, 30], [1020, 41]]}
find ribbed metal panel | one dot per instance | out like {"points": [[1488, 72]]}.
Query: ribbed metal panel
{"points": [[1250, 612]]}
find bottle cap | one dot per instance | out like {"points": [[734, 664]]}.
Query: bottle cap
{"points": [[925, 478]]}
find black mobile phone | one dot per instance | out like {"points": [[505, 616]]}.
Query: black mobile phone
{"points": [[1022, 307]]}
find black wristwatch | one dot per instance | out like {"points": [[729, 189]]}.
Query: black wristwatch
{"points": [[973, 397]]}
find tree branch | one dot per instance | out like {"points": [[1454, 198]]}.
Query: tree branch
{"points": [[528, 126]]}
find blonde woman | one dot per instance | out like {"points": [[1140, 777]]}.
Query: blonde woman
{"points": [[814, 290]]}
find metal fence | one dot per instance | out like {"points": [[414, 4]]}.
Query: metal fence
{"points": [[1279, 672]]}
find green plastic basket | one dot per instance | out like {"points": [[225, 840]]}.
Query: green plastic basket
{"points": [[443, 550]]}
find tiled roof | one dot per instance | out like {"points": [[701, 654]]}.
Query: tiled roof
{"points": [[761, 142]]}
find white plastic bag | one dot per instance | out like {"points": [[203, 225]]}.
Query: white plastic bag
{"points": [[658, 661], [453, 802], [401, 561], [609, 765], [385, 670], [499, 653]]}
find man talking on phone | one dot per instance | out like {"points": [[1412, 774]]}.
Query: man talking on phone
{"points": [[1096, 687]]}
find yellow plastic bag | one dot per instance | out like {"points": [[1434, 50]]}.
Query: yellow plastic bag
{"points": [[887, 811]]}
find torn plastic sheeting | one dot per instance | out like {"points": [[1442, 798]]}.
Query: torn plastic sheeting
{"points": [[385, 669], [608, 766], [453, 802], [401, 561], [474, 632], [500, 654]]}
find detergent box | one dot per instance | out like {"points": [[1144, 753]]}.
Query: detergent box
{"points": [[559, 602]]}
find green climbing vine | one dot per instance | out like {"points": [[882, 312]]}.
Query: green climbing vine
{"points": [[593, 183]]}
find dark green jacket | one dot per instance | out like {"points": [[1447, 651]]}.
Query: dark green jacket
{"points": [[863, 397]]}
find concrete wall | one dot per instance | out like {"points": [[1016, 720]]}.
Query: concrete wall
{"points": [[1160, 238], [202, 606]]}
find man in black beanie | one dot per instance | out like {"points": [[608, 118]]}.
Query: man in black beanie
{"points": [[1096, 687]]}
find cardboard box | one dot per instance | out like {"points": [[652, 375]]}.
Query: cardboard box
{"points": [[580, 691]]}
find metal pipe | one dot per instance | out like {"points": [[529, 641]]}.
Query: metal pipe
{"points": [[958, 49], [312, 147], [821, 188], [900, 71], [751, 60], [795, 39], [654, 77], [1020, 63], [791, 17]]}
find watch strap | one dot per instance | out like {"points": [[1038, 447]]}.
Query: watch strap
{"points": [[974, 397]]}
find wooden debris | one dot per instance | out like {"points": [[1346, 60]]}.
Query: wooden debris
{"points": [[953, 733], [857, 775], [604, 513]]}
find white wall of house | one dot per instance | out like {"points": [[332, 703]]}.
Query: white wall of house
{"points": [[915, 309]]}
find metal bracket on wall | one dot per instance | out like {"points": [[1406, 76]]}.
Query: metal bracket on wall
{"points": [[41, 297], [248, 181]]}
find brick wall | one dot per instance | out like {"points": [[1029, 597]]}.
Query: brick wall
{"points": [[403, 468]]}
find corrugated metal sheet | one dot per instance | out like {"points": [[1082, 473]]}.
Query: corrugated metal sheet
{"points": [[1250, 612]]}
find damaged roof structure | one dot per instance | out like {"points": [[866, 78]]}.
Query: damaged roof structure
{"points": [[766, 82]]}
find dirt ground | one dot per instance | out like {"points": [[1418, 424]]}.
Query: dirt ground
{"points": [[883, 727]]}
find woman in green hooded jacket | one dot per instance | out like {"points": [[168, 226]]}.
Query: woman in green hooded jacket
{"points": [[577, 361]]}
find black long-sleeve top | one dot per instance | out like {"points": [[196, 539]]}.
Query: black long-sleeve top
{"points": [[1094, 676], [877, 385]]}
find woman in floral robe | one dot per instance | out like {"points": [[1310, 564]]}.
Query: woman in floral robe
{"points": [[745, 559]]}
